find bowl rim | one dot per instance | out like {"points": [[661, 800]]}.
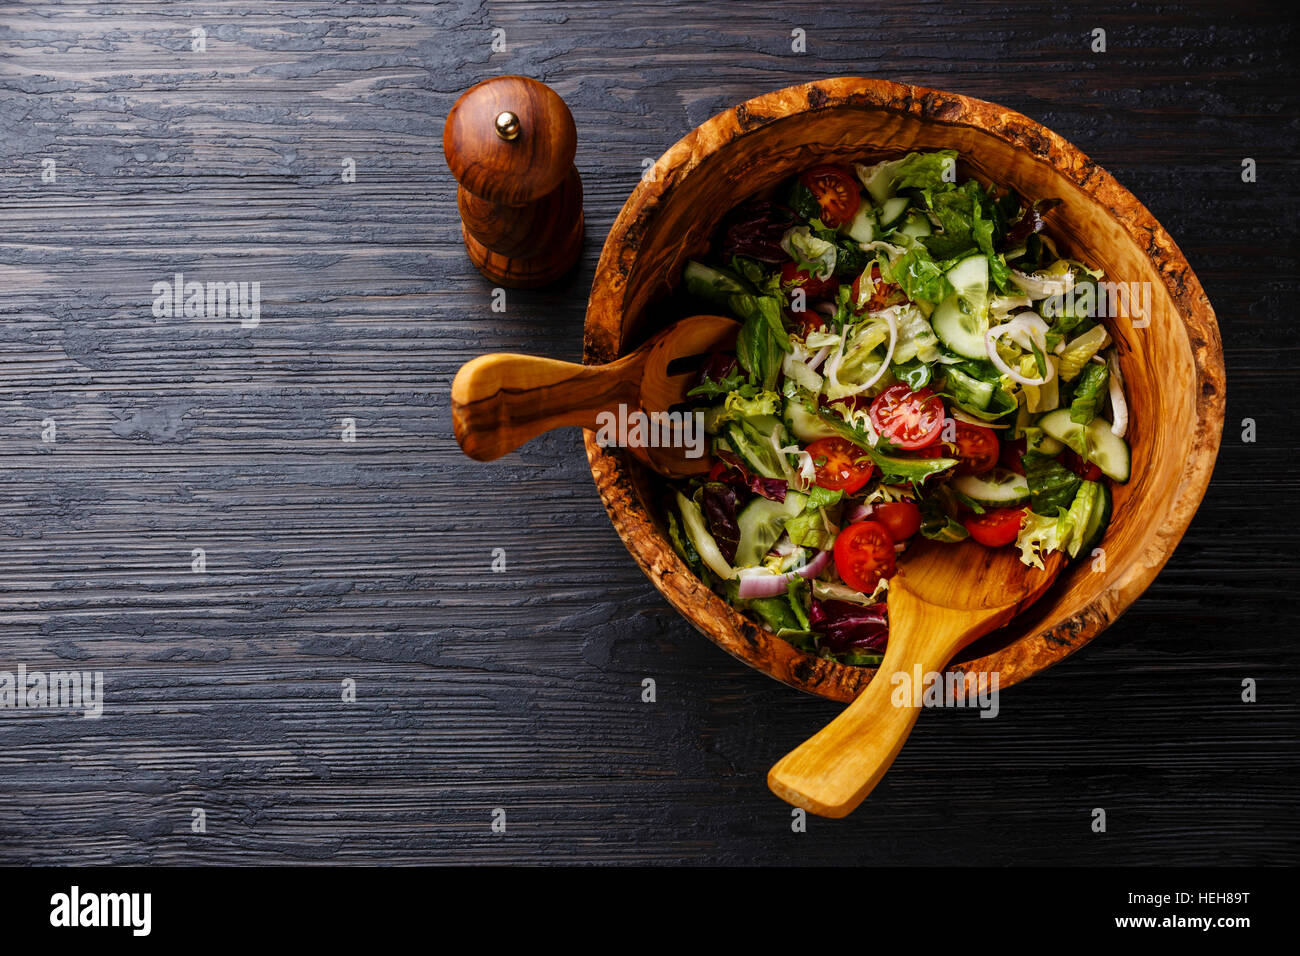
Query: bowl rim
{"points": [[707, 611]]}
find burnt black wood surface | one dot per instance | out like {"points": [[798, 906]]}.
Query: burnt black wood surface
{"points": [[371, 560]]}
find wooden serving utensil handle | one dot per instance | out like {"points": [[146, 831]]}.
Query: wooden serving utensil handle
{"points": [[501, 401], [832, 772]]}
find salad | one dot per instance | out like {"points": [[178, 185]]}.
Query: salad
{"points": [[915, 358]]}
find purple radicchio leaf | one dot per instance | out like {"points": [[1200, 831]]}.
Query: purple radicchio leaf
{"points": [[716, 370], [755, 230], [1030, 222], [845, 626], [773, 489], [719, 502]]}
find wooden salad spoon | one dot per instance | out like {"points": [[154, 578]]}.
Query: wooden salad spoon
{"points": [[501, 401], [943, 597]]}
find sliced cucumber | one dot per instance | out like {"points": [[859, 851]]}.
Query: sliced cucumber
{"points": [[915, 224], [891, 210], [1038, 440], [712, 423], [804, 425], [958, 329], [1058, 425], [1094, 442], [970, 277], [999, 488], [881, 183], [1098, 519], [715, 285], [761, 523], [863, 228], [1108, 451]]}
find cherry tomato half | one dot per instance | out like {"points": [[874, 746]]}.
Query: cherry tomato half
{"points": [[792, 277], [908, 419], [883, 294], [836, 192], [864, 553], [841, 465], [993, 529], [1084, 469], [977, 447], [809, 321], [901, 519]]}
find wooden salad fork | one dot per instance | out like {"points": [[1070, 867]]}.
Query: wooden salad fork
{"points": [[943, 598], [501, 401]]}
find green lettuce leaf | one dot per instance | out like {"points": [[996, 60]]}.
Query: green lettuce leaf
{"points": [[1051, 484], [740, 405], [1040, 535], [919, 275], [937, 524], [916, 340], [914, 372], [1079, 350], [801, 199], [959, 212], [934, 172], [763, 341], [1089, 393], [810, 251]]}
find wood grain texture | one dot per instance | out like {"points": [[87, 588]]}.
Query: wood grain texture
{"points": [[1171, 358], [371, 560], [943, 598], [500, 401]]}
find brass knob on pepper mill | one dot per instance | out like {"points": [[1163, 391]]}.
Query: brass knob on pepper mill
{"points": [[510, 143]]}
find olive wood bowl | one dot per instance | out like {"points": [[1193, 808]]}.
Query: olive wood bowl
{"points": [[1172, 367]]}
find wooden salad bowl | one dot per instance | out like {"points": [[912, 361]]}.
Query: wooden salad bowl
{"points": [[1172, 367]]}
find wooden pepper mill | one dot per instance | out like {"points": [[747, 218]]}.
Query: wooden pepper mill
{"points": [[510, 143]]}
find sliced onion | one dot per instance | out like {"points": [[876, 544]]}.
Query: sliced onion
{"points": [[1118, 404], [813, 568], [806, 474], [784, 546], [859, 512], [824, 307], [891, 318], [1003, 305], [1020, 324], [796, 370], [760, 583], [1029, 329], [763, 583], [819, 358]]}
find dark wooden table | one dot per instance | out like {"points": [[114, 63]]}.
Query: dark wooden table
{"points": [[370, 561]]}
